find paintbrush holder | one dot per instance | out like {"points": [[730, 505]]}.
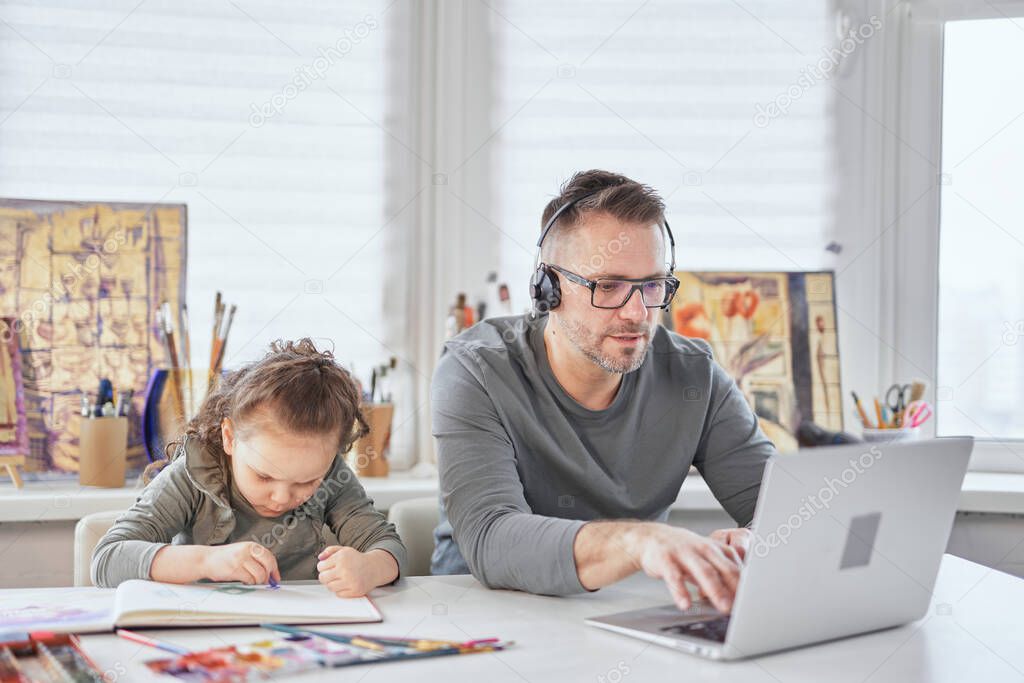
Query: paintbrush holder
{"points": [[102, 450]]}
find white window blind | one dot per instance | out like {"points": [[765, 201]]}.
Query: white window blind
{"points": [[667, 93], [264, 117]]}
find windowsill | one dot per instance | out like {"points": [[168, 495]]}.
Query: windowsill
{"points": [[68, 501], [992, 492], [999, 492]]}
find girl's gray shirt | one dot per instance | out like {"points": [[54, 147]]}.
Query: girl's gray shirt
{"points": [[194, 502]]}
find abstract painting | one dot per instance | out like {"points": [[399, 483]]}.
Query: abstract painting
{"points": [[13, 426], [82, 281], [775, 334]]}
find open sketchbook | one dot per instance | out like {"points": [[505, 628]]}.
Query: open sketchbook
{"points": [[148, 603]]}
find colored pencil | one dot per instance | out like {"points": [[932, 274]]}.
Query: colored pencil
{"points": [[860, 409], [151, 642], [421, 647]]}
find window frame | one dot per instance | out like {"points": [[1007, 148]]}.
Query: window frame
{"points": [[911, 270], [890, 122]]}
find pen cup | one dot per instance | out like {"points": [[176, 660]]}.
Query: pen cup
{"points": [[886, 435], [102, 451]]}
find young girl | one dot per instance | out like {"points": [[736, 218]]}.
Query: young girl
{"points": [[252, 483]]}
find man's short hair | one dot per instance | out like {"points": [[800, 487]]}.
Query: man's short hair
{"points": [[618, 196]]}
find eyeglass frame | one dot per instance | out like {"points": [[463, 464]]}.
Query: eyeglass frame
{"points": [[636, 285]]}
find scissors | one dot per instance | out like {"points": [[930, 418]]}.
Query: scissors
{"points": [[896, 399]]}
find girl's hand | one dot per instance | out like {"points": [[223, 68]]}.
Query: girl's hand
{"points": [[349, 573], [247, 562]]}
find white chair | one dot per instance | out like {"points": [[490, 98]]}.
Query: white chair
{"points": [[415, 519], [88, 532]]}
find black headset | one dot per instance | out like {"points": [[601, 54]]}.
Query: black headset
{"points": [[544, 288]]}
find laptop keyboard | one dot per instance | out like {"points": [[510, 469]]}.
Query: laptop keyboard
{"points": [[712, 629]]}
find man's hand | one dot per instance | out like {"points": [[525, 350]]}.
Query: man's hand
{"points": [[737, 539], [677, 556]]}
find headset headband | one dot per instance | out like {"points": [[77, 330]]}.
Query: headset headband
{"points": [[572, 202]]}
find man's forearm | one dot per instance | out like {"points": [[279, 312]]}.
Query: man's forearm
{"points": [[609, 551], [606, 552]]}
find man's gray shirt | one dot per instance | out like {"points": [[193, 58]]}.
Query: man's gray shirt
{"points": [[523, 465]]}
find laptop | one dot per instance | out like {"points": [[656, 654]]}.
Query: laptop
{"points": [[845, 540]]}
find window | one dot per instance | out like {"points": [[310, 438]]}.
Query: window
{"points": [[264, 118], [719, 106], [981, 255]]}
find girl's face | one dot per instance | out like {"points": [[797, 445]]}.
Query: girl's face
{"points": [[274, 470]]}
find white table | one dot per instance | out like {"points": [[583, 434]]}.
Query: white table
{"points": [[973, 631]]}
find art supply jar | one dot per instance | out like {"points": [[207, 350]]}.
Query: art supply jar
{"points": [[102, 451]]}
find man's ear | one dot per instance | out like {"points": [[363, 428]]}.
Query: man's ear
{"points": [[227, 436]]}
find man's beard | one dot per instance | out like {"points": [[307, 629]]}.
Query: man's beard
{"points": [[589, 344]]}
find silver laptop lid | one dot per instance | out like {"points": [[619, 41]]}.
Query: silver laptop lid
{"points": [[846, 539]]}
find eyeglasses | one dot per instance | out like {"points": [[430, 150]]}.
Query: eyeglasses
{"points": [[656, 292]]}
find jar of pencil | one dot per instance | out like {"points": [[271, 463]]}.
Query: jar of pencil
{"points": [[102, 450], [891, 434], [898, 414]]}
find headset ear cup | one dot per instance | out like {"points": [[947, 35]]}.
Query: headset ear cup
{"points": [[545, 289], [555, 294], [535, 285]]}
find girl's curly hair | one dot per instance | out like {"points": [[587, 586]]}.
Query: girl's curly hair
{"points": [[305, 389]]}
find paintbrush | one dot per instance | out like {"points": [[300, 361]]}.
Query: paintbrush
{"points": [[218, 312], [186, 337], [172, 353], [224, 339]]}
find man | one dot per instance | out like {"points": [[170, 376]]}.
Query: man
{"points": [[563, 437]]}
